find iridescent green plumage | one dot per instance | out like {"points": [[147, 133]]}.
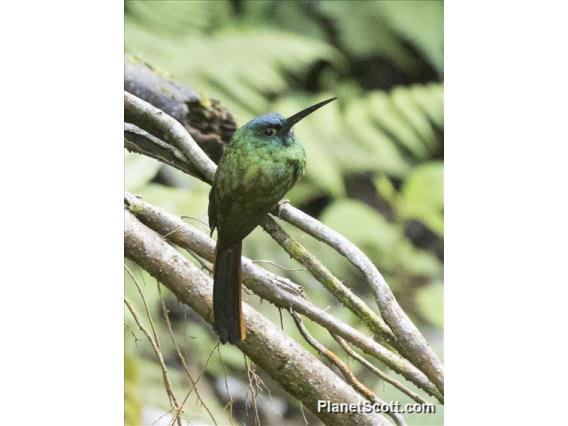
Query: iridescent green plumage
{"points": [[254, 173], [259, 166]]}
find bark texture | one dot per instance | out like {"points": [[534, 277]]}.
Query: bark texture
{"points": [[209, 123], [294, 368]]}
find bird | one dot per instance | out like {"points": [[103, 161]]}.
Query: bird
{"points": [[261, 163]]}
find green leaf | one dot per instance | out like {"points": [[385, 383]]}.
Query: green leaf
{"points": [[183, 202], [138, 170], [177, 18], [430, 301], [421, 22], [362, 225], [245, 65], [380, 152], [423, 195], [318, 135], [132, 403], [430, 98], [390, 117], [381, 240]]}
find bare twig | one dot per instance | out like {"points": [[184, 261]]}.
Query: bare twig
{"points": [[225, 375], [185, 143], [271, 262], [303, 414], [208, 122], [177, 134], [146, 308], [198, 220], [203, 369], [177, 410], [378, 371], [182, 359], [323, 275], [266, 286], [409, 341], [173, 401], [297, 371], [130, 128], [345, 370], [253, 390], [135, 140]]}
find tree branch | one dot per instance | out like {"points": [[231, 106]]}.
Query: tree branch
{"points": [[174, 132], [408, 339], [209, 124], [378, 372], [269, 287], [188, 147], [154, 343], [332, 283], [345, 370], [282, 358], [141, 142], [206, 168], [181, 358]]}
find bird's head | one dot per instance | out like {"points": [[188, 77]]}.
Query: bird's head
{"points": [[273, 127]]}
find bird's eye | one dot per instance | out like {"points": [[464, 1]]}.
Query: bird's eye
{"points": [[269, 132]]}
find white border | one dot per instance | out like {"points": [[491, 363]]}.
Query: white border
{"points": [[62, 182]]}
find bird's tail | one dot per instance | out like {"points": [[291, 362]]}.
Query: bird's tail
{"points": [[227, 309]]}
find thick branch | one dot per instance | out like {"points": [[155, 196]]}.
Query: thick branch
{"points": [[270, 287], [296, 370], [344, 368], [141, 142], [378, 372], [173, 131], [210, 125], [410, 341], [188, 147], [332, 283]]}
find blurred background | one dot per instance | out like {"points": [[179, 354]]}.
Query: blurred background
{"points": [[374, 173]]}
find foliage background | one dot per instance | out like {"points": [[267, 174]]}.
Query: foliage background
{"points": [[375, 167]]}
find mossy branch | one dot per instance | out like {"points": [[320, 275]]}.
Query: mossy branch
{"points": [[296, 370], [277, 290], [344, 368], [409, 341], [295, 249], [393, 324], [183, 142]]}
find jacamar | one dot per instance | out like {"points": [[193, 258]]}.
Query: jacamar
{"points": [[259, 166]]}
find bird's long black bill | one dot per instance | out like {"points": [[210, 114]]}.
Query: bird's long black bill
{"points": [[290, 121]]}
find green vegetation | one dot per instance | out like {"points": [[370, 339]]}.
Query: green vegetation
{"points": [[374, 157]]}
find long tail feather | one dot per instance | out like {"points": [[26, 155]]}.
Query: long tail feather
{"points": [[227, 309]]}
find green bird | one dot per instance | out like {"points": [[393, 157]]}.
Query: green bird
{"points": [[259, 166]]}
